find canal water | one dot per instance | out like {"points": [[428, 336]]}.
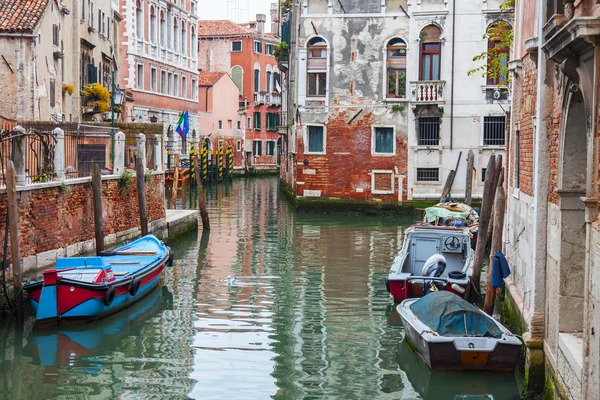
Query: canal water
{"points": [[270, 304]]}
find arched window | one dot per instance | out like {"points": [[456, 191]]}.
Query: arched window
{"points": [[237, 75], [139, 19], [152, 24], [431, 49], [183, 39], [396, 68], [268, 78], [194, 41], [175, 35], [163, 29], [498, 67], [317, 67]]}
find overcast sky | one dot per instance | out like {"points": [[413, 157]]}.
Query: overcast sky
{"points": [[226, 9]]}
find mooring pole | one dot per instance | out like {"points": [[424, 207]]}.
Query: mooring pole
{"points": [[497, 176], [469, 183], [499, 204], [484, 219], [141, 192], [97, 197], [175, 181], [13, 225], [201, 200]]}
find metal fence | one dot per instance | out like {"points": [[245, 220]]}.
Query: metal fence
{"points": [[85, 147], [38, 147], [429, 131]]}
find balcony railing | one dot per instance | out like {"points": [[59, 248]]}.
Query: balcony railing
{"points": [[259, 98], [274, 99], [427, 91]]}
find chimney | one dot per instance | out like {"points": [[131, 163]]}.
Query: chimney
{"points": [[260, 23], [275, 19]]}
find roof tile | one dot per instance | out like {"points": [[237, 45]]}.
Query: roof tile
{"points": [[221, 28], [209, 78], [21, 16]]}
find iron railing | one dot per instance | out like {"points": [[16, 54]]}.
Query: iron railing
{"points": [[428, 129], [494, 131]]}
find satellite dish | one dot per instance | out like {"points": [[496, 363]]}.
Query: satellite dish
{"points": [[497, 94]]}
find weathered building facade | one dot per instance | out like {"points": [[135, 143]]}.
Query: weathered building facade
{"points": [[160, 64], [51, 51], [373, 86], [246, 52], [221, 121], [553, 229]]}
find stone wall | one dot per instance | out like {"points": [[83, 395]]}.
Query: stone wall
{"points": [[58, 220]]}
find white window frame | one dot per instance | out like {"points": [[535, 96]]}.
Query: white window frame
{"points": [[267, 148], [175, 85], [194, 89], [253, 148], [306, 144], [239, 124], [436, 183], [139, 82], [249, 123], [153, 83], [220, 124], [254, 46], [392, 177], [241, 46], [238, 145], [184, 86], [482, 135], [373, 130]]}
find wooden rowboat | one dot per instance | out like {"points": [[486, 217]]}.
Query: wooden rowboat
{"points": [[87, 288]]}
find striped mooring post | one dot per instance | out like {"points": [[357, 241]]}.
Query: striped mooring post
{"points": [[230, 162], [220, 161], [204, 162]]}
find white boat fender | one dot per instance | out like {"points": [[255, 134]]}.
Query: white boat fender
{"points": [[433, 260], [458, 288]]}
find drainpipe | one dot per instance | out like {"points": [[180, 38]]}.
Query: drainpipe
{"points": [[452, 74]]}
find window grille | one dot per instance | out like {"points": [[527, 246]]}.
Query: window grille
{"points": [[428, 174], [429, 131], [494, 131]]}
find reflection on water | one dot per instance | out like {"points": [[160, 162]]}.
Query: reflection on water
{"points": [[269, 304]]}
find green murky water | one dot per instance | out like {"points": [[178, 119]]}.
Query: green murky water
{"points": [[307, 317]]}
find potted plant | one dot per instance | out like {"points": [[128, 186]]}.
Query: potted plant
{"points": [[97, 97], [281, 51]]}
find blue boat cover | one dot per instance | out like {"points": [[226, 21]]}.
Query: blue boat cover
{"points": [[451, 316]]}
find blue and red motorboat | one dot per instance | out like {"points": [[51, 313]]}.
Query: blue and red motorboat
{"points": [[88, 288]]}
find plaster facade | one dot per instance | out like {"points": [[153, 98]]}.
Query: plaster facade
{"points": [[373, 75], [246, 52], [220, 118], [160, 65]]}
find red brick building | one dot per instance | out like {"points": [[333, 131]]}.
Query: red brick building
{"points": [[247, 54]]}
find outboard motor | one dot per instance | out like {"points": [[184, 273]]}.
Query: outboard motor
{"points": [[434, 267]]}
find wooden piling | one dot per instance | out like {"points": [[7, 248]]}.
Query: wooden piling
{"points": [[499, 209], [201, 200], [175, 181], [484, 218], [97, 197], [140, 173], [450, 181], [469, 185], [13, 226], [499, 173]]}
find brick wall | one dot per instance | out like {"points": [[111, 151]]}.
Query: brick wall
{"points": [[50, 219], [345, 170], [524, 103], [553, 122]]}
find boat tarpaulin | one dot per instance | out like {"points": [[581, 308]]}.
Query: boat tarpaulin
{"points": [[451, 316], [433, 213]]}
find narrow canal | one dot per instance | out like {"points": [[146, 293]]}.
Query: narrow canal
{"points": [[270, 304]]}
